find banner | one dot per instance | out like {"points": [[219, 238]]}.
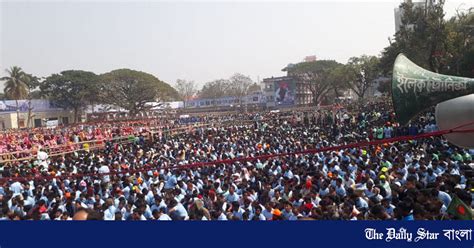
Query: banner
{"points": [[285, 92], [345, 234], [52, 123]]}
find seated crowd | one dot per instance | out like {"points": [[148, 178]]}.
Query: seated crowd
{"points": [[182, 176]]}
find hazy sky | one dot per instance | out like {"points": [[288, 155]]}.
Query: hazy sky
{"points": [[199, 41]]}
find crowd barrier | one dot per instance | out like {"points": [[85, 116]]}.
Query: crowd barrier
{"points": [[100, 143]]}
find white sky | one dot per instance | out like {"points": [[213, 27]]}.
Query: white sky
{"points": [[199, 41]]}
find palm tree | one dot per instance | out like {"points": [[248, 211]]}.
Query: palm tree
{"points": [[16, 87]]}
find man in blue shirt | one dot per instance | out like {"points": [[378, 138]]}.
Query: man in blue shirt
{"points": [[171, 182], [231, 196]]}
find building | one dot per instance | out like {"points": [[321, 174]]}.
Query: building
{"points": [[270, 87], [310, 58], [253, 99], [398, 19], [43, 113], [286, 91], [290, 91]]}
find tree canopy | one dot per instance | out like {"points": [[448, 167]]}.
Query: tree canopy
{"points": [[16, 83], [240, 85], [186, 90], [71, 89], [361, 73], [132, 90], [315, 75], [16, 86], [215, 89], [430, 41]]}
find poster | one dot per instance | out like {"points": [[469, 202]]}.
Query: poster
{"points": [[52, 123], [285, 92]]}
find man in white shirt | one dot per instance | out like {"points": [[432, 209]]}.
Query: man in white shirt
{"points": [[177, 211], [16, 188], [105, 169], [109, 213], [160, 215], [222, 216]]}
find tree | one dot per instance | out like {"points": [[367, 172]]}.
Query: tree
{"points": [[166, 92], [239, 86], [388, 58], [36, 94], [215, 89], [459, 59], [185, 89], [314, 75], [71, 89], [338, 78], [132, 90], [362, 71], [32, 83], [421, 37], [255, 88], [385, 86], [430, 41], [16, 87]]}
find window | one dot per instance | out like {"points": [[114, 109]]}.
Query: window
{"points": [[37, 122], [21, 123]]}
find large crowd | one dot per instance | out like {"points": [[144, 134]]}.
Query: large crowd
{"points": [[22, 143], [150, 177]]}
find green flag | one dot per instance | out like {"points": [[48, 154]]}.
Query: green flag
{"points": [[459, 209]]}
